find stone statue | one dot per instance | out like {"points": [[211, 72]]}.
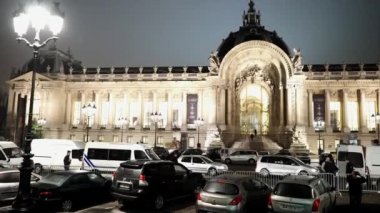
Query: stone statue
{"points": [[214, 62], [297, 59]]}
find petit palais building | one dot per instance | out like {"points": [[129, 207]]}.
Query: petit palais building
{"points": [[254, 93]]}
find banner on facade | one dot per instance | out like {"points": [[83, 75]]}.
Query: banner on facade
{"points": [[192, 108], [319, 106]]}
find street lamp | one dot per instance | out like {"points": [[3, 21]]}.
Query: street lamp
{"points": [[199, 122], [88, 111], [319, 124], [155, 117], [377, 120], [121, 122], [38, 18]]}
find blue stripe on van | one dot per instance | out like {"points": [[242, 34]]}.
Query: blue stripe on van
{"points": [[88, 162]]}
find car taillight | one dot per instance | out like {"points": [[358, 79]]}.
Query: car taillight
{"points": [[236, 200], [270, 202], [113, 175], [46, 194], [199, 197], [316, 204], [142, 180]]}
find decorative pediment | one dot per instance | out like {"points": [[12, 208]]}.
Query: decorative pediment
{"points": [[27, 77]]}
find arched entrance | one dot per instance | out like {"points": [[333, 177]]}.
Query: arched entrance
{"points": [[254, 109]]}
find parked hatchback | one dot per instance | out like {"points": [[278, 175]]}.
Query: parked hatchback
{"points": [[9, 181], [233, 193], [202, 164], [241, 156], [283, 165], [302, 194], [154, 182]]}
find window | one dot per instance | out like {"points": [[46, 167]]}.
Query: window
{"points": [[134, 110], [116, 138], [353, 115], [105, 112], [79, 179], [100, 154], [95, 178], [10, 177], [140, 155], [356, 158], [186, 159], [289, 162], [76, 113], [220, 187], [148, 109], [370, 108], [191, 142], [198, 160], [77, 153], [293, 190], [335, 115], [179, 170], [122, 155], [163, 109]]}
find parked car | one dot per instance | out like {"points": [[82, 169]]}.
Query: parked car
{"points": [[284, 152], [241, 156], [202, 164], [302, 194], [155, 182], [67, 189], [162, 152], [304, 157], [9, 181], [263, 153], [233, 193], [192, 151], [213, 154], [283, 165]]}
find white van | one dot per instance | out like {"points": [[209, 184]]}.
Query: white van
{"points": [[106, 157], [49, 153], [353, 153], [10, 154], [372, 156]]}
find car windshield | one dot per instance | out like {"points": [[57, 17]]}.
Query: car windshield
{"points": [[293, 190], [55, 179], [221, 188], [14, 152], [152, 154], [208, 160], [298, 161]]}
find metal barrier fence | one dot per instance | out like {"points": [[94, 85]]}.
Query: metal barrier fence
{"points": [[339, 182]]}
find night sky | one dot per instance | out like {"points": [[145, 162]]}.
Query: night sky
{"points": [[183, 32]]}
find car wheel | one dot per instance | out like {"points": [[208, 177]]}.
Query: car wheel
{"points": [[252, 161], [227, 161], [212, 172], [303, 173], [67, 205], [38, 169], [158, 202], [264, 172]]}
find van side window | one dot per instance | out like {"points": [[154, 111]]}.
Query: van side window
{"points": [[2, 157], [140, 155], [77, 153], [119, 154], [101, 154], [186, 159], [10, 177]]}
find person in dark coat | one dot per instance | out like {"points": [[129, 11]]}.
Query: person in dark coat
{"points": [[67, 161], [349, 167], [355, 181], [329, 166]]}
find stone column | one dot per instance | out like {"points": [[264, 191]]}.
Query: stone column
{"points": [[282, 111], [68, 107], [311, 108], [170, 110], [213, 108], [155, 102], [98, 112], [83, 103], [222, 102], [111, 112], [141, 101], [345, 111], [126, 113], [184, 102], [363, 113], [291, 108], [327, 111], [229, 102]]}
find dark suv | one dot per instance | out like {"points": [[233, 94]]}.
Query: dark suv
{"points": [[154, 181]]}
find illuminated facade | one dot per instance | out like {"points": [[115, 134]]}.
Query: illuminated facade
{"points": [[253, 86]]}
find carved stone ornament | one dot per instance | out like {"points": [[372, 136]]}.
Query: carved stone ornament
{"points": [[214, 62], [297, 60], [253, 74]]}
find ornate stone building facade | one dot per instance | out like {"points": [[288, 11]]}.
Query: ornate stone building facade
{"points": [[253, 90]]}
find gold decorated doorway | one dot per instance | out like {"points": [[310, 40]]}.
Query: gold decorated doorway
{"points": [[254, 109]]}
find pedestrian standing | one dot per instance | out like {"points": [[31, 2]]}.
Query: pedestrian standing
{"points": [[328, 166], [67, 161], [355, 181]]}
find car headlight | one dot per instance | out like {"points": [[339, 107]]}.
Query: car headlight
{"points": [[314, 170]]}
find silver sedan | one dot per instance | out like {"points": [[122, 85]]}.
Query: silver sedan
{"points": [[202, 164]]}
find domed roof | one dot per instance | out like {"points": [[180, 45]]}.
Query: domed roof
{"points": [[251, 30]]}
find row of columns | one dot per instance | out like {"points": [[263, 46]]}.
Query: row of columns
{"points": [[362, 111], [211, 114]]}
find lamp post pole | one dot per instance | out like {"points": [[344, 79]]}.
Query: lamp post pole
{"points": [[377, 120], [88, 111], [199, 122], [37, 17], [155, 117], [319, 125]]}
